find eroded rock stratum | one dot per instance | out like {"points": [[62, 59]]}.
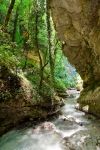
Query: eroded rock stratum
{"points": [[77, 23]]}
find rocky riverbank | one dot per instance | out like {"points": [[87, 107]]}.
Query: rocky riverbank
{"points": [[20, 102], [62, 133]]}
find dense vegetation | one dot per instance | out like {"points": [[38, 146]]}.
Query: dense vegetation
{"points": [[29, 45]]}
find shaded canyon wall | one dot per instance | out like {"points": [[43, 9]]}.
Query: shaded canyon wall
{"points": [[77, 23]]}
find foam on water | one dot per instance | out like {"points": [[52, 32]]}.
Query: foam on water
{"points": [[25, 139]]}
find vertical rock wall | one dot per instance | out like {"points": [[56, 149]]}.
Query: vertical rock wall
{"points": [[77, 23]]}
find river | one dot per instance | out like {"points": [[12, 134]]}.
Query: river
{"points": [[78, 132]]}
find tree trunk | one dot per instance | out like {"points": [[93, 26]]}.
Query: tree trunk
{"points": [[9, 13], [15, 25], [49, 32], [37, 47]]}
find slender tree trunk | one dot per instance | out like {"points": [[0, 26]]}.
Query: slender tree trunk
{"points": [[9, 13], [42, 64], [15, 25], [49, 31], [37, 47]]}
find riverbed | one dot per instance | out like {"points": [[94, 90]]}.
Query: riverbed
{"points": [[78, 131]]}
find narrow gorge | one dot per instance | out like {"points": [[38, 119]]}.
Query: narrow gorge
{"points": [[77, 23]]}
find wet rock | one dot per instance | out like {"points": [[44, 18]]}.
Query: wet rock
{"points": [[45, 127], [72, 93], [85, 108], [63, 95], [82, 140], [77, 106], [70, 120], [67, 145]]}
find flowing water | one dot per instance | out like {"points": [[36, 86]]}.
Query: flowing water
{"points": [[78, 132]]}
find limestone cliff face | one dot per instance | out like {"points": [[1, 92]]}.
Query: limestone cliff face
{"points": [[77, 23]]}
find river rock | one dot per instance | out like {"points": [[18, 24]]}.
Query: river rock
{"points": [[44, 127]]}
